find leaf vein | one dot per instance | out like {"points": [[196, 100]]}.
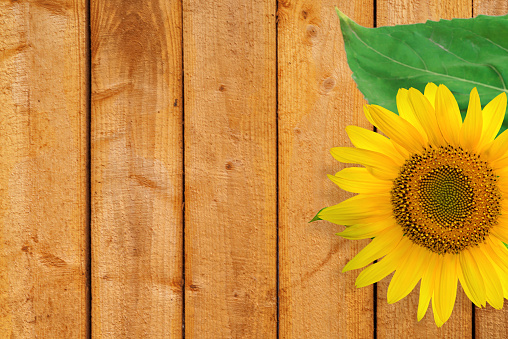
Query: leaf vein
{"points": [[428, 71]]}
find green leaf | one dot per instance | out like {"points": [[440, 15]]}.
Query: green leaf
{"points": [[459, 53], [505, 245], [316, 217]]}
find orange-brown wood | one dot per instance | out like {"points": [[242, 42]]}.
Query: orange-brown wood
{"points": [[137, 171], [43, 170], [402, 12], [230, 169], [491, 323], [317, 100], [399, 319], [232, 51], [490, 7]]}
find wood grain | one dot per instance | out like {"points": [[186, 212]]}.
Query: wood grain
{"points": [[43, 170], [490, 7], [401, 12], [137, 232], [230, 169], [491, 323], [317, 100], [399, 319]]}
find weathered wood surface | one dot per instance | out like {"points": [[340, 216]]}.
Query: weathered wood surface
{"points": [[317, 99], [43, 170], [399, 319], [491, 323], [230, 169], [235, 103], [137, 169]]}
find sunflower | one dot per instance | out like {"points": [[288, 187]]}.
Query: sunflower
{"points": [[431, 195]]}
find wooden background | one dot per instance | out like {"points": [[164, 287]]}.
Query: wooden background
{"points": [[160, 161]]}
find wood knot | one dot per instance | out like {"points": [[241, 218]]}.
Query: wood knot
{"points": [[328, 84], [312, 31]]}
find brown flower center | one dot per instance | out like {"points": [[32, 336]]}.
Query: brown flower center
{"points": [[446, 199]]}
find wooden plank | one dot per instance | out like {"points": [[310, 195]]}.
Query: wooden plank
{"points": [[137, 232], [491, 323], [43, 170], [230, 169], [317, 100], [399, 319], [401, 12], [489, 7]]}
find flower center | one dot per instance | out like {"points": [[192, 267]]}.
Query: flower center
{"points": [[446, 199]]}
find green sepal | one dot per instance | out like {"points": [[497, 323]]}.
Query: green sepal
{"points": [[317, 216]]}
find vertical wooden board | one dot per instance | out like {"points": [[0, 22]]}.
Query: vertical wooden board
{"points": [[230, 169], [402, 12], [491, 323], [43, 170], [490, 7], [137, 169], [399, 319], [317, 100]]}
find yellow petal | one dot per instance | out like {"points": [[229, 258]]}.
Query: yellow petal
{"points": [[408, 274], [500, 230], [497, 251], [445, 288], [378, 164], [385, 266], [471, 130], [427, 286], [497, 149], [437, 275], [501, 172], [397, 129], [448, 115], [493, 287], [471, 279], [365, 231], [497, 254], [369, 116], [503, 276], [437, 320], [503, 186], [430, 93], [500, 166], [404, 152], [502, 180], [406, 111], [363, 138], [377, 248], [493, 115], [361, 209], [427, 117], [359, 180], [504, 212]]}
